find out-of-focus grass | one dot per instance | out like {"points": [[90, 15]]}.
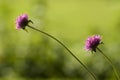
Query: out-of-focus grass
{"points": [[81, 16]]}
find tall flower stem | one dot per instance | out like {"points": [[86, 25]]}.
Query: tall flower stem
{"points": [[114, 69], [65, 48]]}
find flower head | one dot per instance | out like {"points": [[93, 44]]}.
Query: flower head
{"points": [[92, 42], [22, 21]]}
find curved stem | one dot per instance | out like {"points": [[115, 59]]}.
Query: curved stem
{"points": [[65, 48], [114, 69]]}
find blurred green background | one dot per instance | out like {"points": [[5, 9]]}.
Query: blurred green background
{"points": [[33, 56]]}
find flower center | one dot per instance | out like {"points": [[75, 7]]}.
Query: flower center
{"points": [[23, 23]]}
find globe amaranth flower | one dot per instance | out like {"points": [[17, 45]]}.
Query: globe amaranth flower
{"points": [[22, 21], [92, 42]]}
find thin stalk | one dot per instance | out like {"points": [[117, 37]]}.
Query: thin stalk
{"points": [[114, 69], [65, 48]]}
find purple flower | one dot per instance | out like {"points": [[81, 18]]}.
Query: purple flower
{"points": [[92, 42], [22, 21]]}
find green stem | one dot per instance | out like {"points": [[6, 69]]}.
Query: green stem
{"points": [[65, 48], [114, 69]]}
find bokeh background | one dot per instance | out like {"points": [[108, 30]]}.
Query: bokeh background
{"points": [[34, 56]]}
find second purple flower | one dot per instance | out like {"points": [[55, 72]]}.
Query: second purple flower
{"points": [[92, 42]]}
